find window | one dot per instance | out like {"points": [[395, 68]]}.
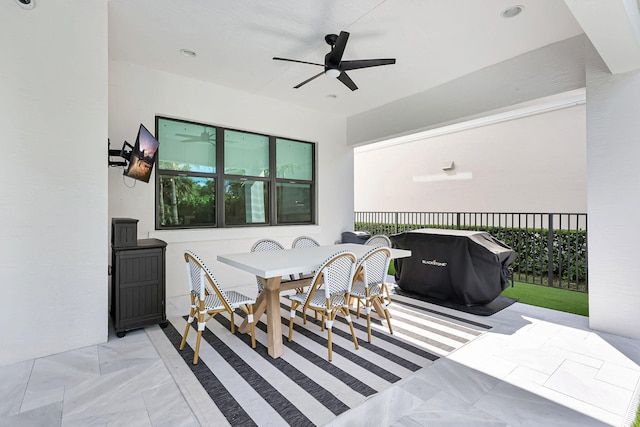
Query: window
{"points": [[210, 176], [294, 181]]}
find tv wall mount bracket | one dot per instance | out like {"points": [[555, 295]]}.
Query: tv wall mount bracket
{"points": [[123, 153]]}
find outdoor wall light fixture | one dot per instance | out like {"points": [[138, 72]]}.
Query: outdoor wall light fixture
{"points": [[448, 166]]}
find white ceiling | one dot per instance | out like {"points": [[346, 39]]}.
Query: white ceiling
{"points": [[434, 41]]}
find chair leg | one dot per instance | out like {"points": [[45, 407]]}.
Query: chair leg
{"points": [[192, 313], [329, 327], [252, 322], [292, 316], [233, 323], [386, 314], [358, 309], [367, 309], [201, 324], [347, 316]]}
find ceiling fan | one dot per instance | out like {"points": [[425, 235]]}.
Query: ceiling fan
{"points": [[334, 66], [205, 136]]}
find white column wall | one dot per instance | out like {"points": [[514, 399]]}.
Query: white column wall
{"points": [[530, 164], [613, 149], [53, 198], [137, 94]]}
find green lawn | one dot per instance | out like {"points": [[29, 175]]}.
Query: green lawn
{"points": [[553, 298], [543, 296]]}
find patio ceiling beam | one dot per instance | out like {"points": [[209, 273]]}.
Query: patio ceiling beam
{"points": [[613, 27]]}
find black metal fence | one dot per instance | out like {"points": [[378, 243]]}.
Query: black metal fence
{"points": [[551, 248]]}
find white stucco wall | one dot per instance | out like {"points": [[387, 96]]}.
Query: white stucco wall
{"points": [[531, 164], [53, 198], [137, 94], [613, 149]]}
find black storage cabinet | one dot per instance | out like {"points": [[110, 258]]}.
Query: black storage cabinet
{"points": [[138, 285]]}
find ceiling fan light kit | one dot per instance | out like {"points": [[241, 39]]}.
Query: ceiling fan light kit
{"points": [[334, 66], [332, 72]]}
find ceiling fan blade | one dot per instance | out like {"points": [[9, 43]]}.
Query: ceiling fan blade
{"points": [[338, 49], [365, 63], [295, 60], [308, 80], [347, 81]]}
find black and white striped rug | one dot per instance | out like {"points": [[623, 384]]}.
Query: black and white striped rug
{"points": [[302, 387]]}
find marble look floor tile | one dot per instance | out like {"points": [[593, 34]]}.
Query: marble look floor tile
{"points": [[125, 418], [445, 410], [381, 409], [523, 376], [166, 407], [419, 388], [36, 398], [620, 376], [458, 380], [484, 354], [533, 382], [519, 407], [45, 416], [64, 369], [102, 395], [13, 384], [580, 381], [123, 356], [628, 347], [535, 358]]}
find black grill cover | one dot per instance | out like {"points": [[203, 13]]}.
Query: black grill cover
{"points": [[465, 267]]}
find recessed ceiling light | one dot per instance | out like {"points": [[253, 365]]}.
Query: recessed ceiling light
{"points": [[26, 4], [512, 11], [332, 96], [187, 52]]}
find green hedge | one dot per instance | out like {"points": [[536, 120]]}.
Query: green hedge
{"points": [[569, 251]]}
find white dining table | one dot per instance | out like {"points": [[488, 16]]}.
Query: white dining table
{"points": [[271, 266]]}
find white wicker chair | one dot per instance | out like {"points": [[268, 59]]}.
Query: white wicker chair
{"points": [[208, 298], [304, 242], [264, 245], [378, 240], [369, 283], [328, 294]]}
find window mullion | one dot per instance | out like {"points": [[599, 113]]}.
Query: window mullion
{"points": [[220, 177]]}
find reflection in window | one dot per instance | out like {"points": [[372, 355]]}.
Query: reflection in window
{"points": [[186, 146], [187, 201], [246, 154], [294, 203], [294, 159], [246, 202]]}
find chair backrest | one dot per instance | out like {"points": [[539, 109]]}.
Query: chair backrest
{"points": [[201, 280], [337, 274], [374, 265], [378, 240], [304, 242], [264, 245]]}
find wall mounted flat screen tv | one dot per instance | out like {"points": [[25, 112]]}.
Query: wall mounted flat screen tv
{"points": [[143, 155]]}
